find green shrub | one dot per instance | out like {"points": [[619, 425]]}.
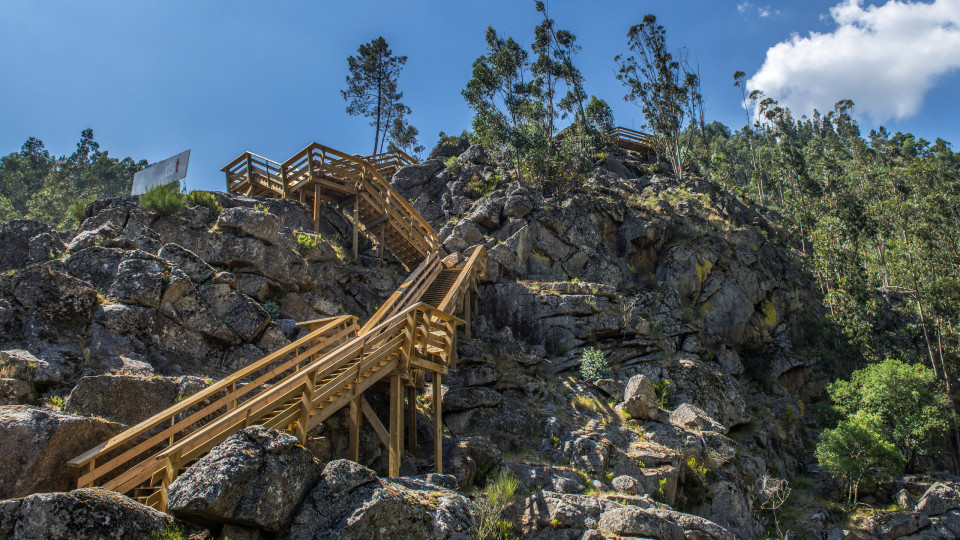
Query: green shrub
{"points": [[307, 242], [500, 493], [452, 164], [78, 209], [272, 308], [166, 200], [593, 365], [207, 200], [662, 389]]}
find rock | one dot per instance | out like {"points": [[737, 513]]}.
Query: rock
{"points": [[412, 176], [140, 280], [188, 261], [474, 155], [890, 525], [15, 241], [609, 387], [250, 222], [14, 392], [904, 500], [121, 365], [626, 484], [487, 213], [691, 418], [696, 526], [81, 513], [477, 375], [93, 237], [517, 206], [448, 147], [457, 398], [637, 522], [21, 364], [257, 477], [839, 534], [350, 502], [45, 246], [129, 399], [938, 499], [59, 306], [640, 398], [37, 444], [471, 460]]}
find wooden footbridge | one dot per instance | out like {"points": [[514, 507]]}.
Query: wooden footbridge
{"points": [[302, 384]]}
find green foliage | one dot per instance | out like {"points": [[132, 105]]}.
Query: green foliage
{"points": [[307, 242], [662, 389], [58, 402], [501, 492], [207, 200], [172, 532], [78, 209], [911, 410], [372, 92], [452, 164], [272, 308], [666, 88], [593, 365], [166, 200], [856, 450], [36, 185]]}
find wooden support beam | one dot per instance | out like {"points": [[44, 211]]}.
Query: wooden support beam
{"points": [[374, 422], [437, 426], [466, 314], [411, 418], [396, 425], [356, 421], [356, 226], [316, 208]]}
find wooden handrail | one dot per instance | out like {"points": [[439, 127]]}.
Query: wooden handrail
{"points": [[332, 328], [475, 265]]}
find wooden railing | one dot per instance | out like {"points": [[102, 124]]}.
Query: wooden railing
{"points": [[631, 139], [302, 384], [387, 163], [134, 451], [250, 169]]}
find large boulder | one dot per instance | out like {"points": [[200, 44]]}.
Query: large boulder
{"points": [[691, 418], [22, 365], [412, 176], [890, 525], [639, 522], [15, 237], [90, 513], [36, 445], [257, 477], [350, 502], [471, 460], [59, 306], [250, 222], [938, 499], [129, 399], [640, 398]]}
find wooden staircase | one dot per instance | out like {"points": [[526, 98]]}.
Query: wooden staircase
{"points": [[300, 385]]}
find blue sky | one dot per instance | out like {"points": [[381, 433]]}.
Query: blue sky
{"points": [[153, 79]]}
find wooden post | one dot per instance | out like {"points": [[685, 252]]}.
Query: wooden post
{"points": [[437, 426], [356, 420], [316, 208], [396, 425], [356, 224], [412, 418], [466, 314]]}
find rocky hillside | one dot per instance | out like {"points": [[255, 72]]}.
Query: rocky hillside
{"points": [[707, 326]]}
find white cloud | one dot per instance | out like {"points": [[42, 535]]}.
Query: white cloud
{"points": [[764, 12], [742, 7], [885, 58]]}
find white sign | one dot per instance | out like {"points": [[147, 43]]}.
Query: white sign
{"points": [[162, 173]]}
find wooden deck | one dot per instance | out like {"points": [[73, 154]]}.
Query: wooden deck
{"points": [[300, 385]]}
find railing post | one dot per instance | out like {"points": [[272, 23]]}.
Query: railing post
{"points": [[356, 420], [170, 472], [249, 174]]}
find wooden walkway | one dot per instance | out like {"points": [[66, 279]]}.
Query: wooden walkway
{"points": [[299, 386]]}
